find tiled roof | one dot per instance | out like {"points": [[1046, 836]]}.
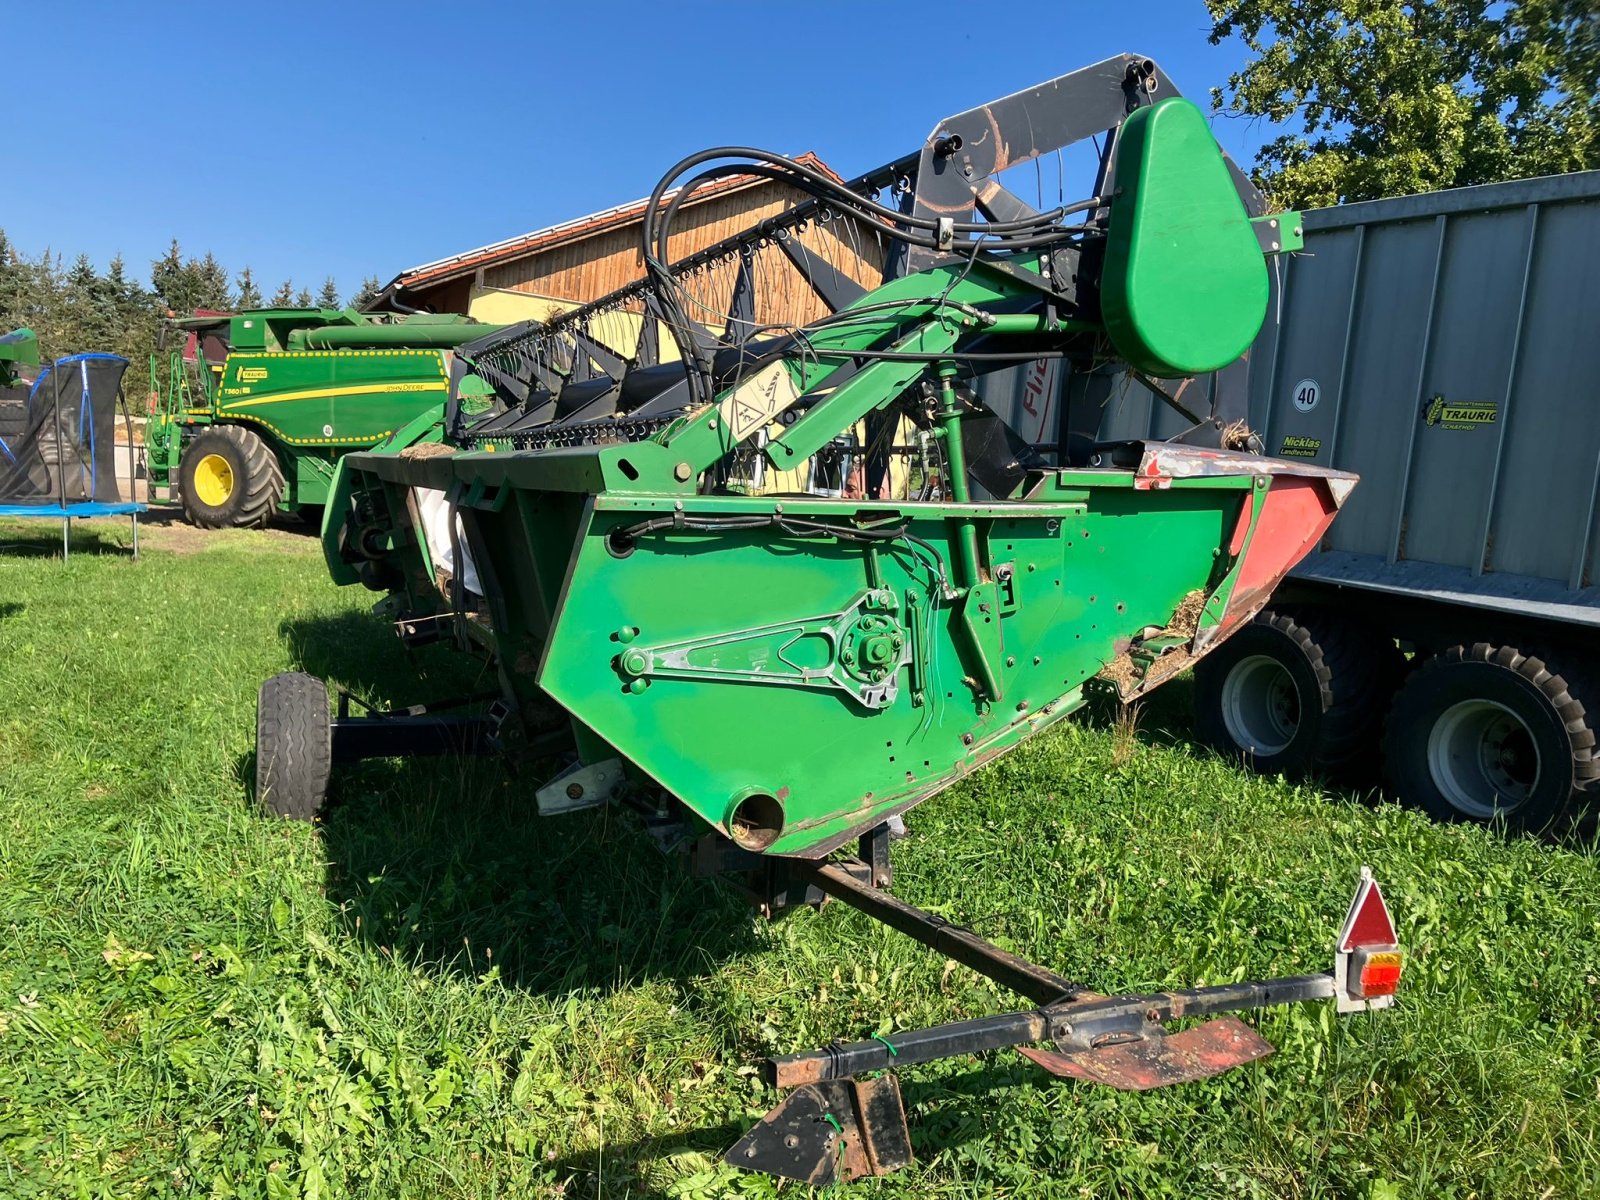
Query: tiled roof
{"points": [[571, 231]]}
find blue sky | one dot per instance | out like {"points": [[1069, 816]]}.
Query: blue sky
{"points": [[354, 138]]}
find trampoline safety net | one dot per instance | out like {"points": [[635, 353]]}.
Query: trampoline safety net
{"points": [[58, 439]]}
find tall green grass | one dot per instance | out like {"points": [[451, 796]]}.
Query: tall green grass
{"points": [[437, 994]]}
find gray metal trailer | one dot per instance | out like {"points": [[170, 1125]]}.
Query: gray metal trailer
{"points": [[1446, 347]]}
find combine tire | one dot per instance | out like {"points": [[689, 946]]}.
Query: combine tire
{"points": [[1486, 733], [230, 479], [294, 746], [1297, 691]]}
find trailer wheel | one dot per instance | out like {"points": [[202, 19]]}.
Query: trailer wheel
{"points": [[1297, 691], [229, 478], [1486, 733], [294, 746]]}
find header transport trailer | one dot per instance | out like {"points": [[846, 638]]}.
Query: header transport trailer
{"points": [[1444, 347], [255, 407], [779, 589]]}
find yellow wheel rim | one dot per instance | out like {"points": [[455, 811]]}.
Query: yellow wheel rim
{"points": [[213, 480]]}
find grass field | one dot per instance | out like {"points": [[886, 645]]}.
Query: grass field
{"points": [[436, 994]]}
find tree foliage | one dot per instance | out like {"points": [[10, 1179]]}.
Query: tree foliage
{"points": [[1384, 98], [246, 294], [76, 308], [367, 293]]}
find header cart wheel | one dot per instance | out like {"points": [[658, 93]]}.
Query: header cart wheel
{"points": [[230, 479], [294, 746], [1486, 733], [1297, 691]]}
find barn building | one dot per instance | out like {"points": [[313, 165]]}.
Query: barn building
{"points": [[551, 270]]}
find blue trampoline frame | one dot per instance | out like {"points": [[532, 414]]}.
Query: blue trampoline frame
{"points": [[63, 510], [83, 509]]}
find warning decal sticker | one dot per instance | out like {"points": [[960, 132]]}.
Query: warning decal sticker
{"points": [[755, 402]]}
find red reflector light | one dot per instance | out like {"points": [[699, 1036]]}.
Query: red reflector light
{"points": [[1378, 972], [1367, 957], [1368, 922]]}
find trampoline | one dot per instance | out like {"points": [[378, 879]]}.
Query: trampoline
{"points": [[59, 461]]}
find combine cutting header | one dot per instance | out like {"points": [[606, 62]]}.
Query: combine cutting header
{"points": [[773, 585]]}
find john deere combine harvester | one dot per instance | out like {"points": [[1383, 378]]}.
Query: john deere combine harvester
{"points": [[253, 420], [799, 580]]}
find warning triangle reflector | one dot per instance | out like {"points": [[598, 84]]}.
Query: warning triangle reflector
{"points": [[1368, 923]]}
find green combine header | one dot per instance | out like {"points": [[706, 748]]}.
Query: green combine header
{"points": [[773, 591], [251, 413]]}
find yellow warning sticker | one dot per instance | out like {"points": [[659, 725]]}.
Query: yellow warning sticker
{"points": [[755, 402]]}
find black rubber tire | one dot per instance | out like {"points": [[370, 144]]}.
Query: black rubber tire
{"points": [[257, 479], [1553, 721], [1342, 673], [294, 746]]}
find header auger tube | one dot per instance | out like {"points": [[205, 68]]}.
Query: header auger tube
{"points": [[775, 543]]}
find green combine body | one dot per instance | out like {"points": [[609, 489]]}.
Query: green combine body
{"points": [[257, 425]]}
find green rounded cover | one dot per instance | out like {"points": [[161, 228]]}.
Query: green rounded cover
{"points": [[1184, 289]]}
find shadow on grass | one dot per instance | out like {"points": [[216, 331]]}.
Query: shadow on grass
{"points": [[163, 514], [625, 1168], [44, 540], [446, 863], [361, 653]]}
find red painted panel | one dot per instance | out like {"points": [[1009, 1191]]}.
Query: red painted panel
{"points": [[1294, 516], [1242, 529]]}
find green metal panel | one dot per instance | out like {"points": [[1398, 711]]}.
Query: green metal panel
{"points": [[311, 480], [1079, 581], [18, 346], [1185, 287], [331, 398]]}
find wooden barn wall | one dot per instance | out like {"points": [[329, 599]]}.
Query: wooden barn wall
{"points": [[587, 269]]}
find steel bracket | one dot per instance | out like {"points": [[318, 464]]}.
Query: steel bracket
{"points": [[580, 786], [830, 1132], [859, 651]]}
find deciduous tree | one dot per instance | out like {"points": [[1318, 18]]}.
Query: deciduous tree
{"points": [[1383, 98]]}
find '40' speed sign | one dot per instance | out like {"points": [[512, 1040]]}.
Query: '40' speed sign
{"points": [[1306, 394]]}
